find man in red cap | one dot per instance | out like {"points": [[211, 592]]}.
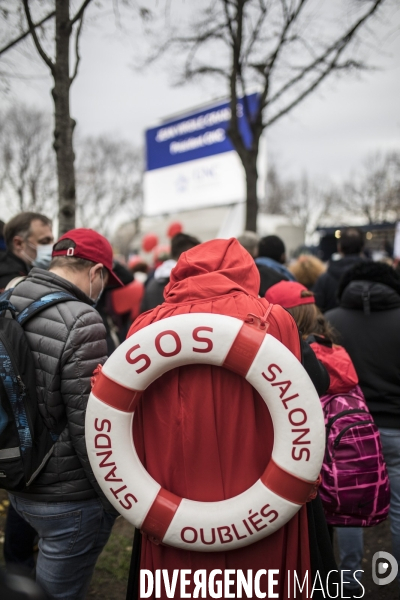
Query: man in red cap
{"points": [[64, 503]]}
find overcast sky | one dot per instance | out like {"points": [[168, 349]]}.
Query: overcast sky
{"points": [[327, 136]]}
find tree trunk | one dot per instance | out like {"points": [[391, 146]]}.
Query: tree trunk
{"points": [[250, 167], [64, 125], [248, 157]]}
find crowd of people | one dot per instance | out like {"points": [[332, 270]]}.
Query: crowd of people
{"points": [[341, 320]]}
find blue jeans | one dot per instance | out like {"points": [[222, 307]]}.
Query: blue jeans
{"points": [[71, 537], [350, 539], [390, 439], [351, 547]]}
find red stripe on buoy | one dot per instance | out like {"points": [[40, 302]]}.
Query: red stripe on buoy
{"points": [[244, 349], [114, 394], [160, 515], [286, 485]]}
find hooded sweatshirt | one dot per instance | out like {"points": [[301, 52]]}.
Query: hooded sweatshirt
{"points": [[368, 320], [203, 432]]}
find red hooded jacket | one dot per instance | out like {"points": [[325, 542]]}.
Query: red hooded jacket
{"points": [[342, 374], [203, 432]]}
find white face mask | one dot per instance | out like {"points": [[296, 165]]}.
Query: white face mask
{"points": [[43, 256], [141, 277], [95, 300]]}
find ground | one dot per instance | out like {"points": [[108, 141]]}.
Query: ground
{"points": [[111, 573]]}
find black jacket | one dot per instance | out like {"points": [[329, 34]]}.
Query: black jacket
{"points": [[268, 278], [153, 294], [11, 266], [68, 341], [154, 287], [326, 286], [315, 369], [368, 320]]}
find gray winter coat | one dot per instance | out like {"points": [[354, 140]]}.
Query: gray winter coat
{"points": [[68, 341]]}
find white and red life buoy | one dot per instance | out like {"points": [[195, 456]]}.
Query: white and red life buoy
{"points": [[299, 433]]}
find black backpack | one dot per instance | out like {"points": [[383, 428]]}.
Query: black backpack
{"points": [[25, 442]]}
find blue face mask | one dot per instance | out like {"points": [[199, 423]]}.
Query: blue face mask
{"points": [[43, 256]]}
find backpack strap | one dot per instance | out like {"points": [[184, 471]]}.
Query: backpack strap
{"points": [[33, 309], [5, 303], [6, 295], [45, 302]]}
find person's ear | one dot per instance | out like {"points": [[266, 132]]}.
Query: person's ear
{"points": [[17, 242], [95, 271]]}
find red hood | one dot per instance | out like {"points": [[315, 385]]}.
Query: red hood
{"points": [[337, 362], [212, 269]]}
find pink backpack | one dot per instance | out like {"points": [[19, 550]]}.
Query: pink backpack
{"points": [[355, 486]]}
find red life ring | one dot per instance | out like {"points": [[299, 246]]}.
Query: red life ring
{"points": [[247, 349]]}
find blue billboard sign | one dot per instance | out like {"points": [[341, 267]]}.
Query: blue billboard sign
{"points": [[198, 135]]}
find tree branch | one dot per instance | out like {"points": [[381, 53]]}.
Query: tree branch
{"points": [[214, 33], [190, 74], [256, 30], [332, 66], [77, 55], [236, 44], [26, 33], [32, 31], [338, 47], [289, 19], [79, 13]]}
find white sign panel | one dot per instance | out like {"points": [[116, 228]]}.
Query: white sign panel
{"points": [[203, 182], [191, 161]]}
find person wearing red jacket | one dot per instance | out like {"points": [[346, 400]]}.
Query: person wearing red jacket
{"points": [[205, 434]]}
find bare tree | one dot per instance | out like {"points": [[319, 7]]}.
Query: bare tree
{"points": [[109, 181], [277, 192], [273, 45], [374, 190], [306, 203], [53, 30], [109, 172], [27, 164]]}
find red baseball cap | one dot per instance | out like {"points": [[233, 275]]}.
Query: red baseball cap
{"points": [[89, 245], [288, 294]]}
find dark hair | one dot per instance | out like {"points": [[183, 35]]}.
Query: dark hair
{"points": [[21, 225], [271, 246], [324, 328], [71, 262], [181, 242], [366, 270], [351, 241]]}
